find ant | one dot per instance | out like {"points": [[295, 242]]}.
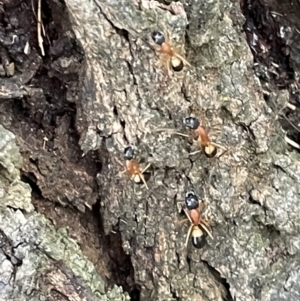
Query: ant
{"points": [[197, 222], [209, 148], [171, 57], [133, 167]]}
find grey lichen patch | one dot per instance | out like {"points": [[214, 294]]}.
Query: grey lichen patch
{"points": [[39, 247], [169, 152], [212, 36], [284, 215], [290, 164], [30, 247], [17, 195], [205, 286], [10, 158], [6, 268], [241, 255], [13, 192], [285, 286]]}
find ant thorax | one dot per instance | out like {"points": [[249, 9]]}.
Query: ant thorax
{"points": [[195, 215], [202, 132], [133, 167], [166, 48]]}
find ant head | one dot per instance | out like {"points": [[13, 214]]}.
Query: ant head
{"points": [[191, 122], [158, 37], [191, 200], [128, 153], [198, 238], [210, 151]]}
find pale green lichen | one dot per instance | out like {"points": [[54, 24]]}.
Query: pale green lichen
{"points": [[36, 243]]}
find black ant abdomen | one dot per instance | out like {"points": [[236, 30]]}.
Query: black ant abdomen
{"points": [[177, 64], [198, 239], [210, 151]]}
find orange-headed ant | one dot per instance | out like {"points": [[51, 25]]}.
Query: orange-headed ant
{"points": [[197, 222], [170, 56], [133, 167]]}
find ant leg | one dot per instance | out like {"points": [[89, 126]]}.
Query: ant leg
{"points": [[143, 180], [187, 215], [165, 61], [207, 231], [119, 161], [122, 172], [170, 131], [214, 132], [188, 235], [205, 221], [166, 31], [194, 153], [291, 142], [168, 61], [168, 35], [169, 71], [183, 59], [223, 153], [224, 150], [182, 221], [146, 168], [219, 146], [201, 206], [180, 134], [156, 17]]}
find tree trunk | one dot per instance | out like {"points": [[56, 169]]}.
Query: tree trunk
{"points": [[103, 86]]}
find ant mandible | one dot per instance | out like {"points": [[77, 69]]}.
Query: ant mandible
{"points": [[133, 167], [197, 222], [171, 55]]}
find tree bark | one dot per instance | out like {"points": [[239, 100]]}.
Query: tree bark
{"points": [[36, 261], [124, 95]]}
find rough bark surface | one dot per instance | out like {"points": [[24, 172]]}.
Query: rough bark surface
{"points": [[126, 97], [36, 261], [104, 64]]}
